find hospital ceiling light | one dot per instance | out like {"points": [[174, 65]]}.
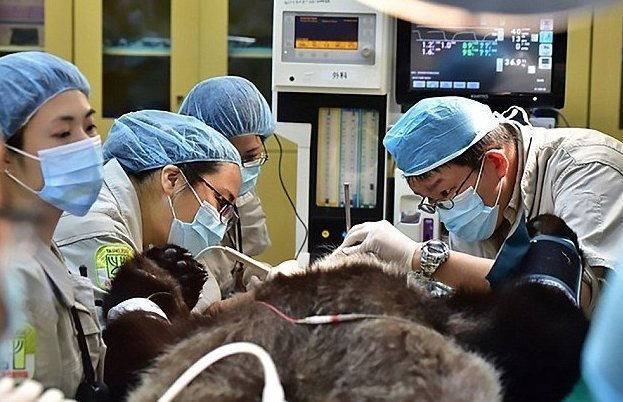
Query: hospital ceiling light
{"points": [[446, 12]]}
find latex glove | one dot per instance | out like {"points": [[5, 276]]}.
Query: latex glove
{"points": [[28, 391], [382, 239], [287, 268], [210, 293], [229, 304], [252, 283]]}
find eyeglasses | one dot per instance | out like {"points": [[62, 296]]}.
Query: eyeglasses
{"points": [[259, 161], [228, 210], [431, 208]]}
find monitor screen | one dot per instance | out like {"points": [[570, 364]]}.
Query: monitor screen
{"points": [[499, 62], [326, 32]]}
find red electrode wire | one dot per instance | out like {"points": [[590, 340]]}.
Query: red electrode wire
{"points": [[329, 319]]}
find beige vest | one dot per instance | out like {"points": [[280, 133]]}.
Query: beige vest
{"points": [[46, 348]]}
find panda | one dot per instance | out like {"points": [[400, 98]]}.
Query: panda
{"points": [[519, 342]]}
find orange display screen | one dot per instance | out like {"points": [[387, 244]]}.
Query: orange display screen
{"points": [[328, 33]]}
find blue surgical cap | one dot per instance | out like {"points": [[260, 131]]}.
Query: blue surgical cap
{"points": [[30, 79], [150, 139], [231, 105], [435, 131]]}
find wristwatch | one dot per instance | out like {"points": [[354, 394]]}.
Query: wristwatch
{"points": [[433, 254]]}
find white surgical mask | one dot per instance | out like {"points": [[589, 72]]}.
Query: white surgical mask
{"points": [[470, 218], [205, 230], [249, 178], [72, 174]]}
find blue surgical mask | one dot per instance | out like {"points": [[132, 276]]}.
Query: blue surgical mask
{"points": [[72, 174], [205, 230], [470, 219], [249, 178]]}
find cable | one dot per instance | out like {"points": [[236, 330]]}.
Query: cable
{"points": [[238, 232], [563, 118], [236, 242], [290, 200], [236, 239], [331, 318], [272, 392]]}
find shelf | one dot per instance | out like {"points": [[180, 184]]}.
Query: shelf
{"points": [[250, 52], [17, 48], [136, 52]]}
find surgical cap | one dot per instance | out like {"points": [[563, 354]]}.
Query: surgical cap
{"points": [[231, 105], [435, 131], [30, 79], [150, 139]]}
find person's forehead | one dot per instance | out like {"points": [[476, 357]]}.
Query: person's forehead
{"points": [[245, 143], [435, 181], [72, 103], [225, 179]]}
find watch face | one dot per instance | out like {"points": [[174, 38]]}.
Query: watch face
{"points": [[436, 247]]}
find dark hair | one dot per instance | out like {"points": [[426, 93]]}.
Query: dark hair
{"points": [[192, 170], [502, 135], [17, 139]]}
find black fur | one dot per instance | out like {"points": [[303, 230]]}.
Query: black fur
{"points": [[400, 358], [549, 224], [169, 272], [532, 334], [172, 279]]}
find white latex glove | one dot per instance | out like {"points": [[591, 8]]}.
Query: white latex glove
{"points": [[287, 268], [28, 391], [382, 239], [252, 282]]}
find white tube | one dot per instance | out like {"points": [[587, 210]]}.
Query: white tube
{"points": [[273, 392]]}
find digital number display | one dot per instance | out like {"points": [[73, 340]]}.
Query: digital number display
{"points": [[487, 58]]}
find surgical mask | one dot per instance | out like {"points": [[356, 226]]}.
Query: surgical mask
{"points": [[249, 178], [470, 218], [72, 174], [205, 230]]}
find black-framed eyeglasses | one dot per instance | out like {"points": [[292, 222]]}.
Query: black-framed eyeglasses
{"points": [[228, 209], [431, 208], [259, 161]]}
